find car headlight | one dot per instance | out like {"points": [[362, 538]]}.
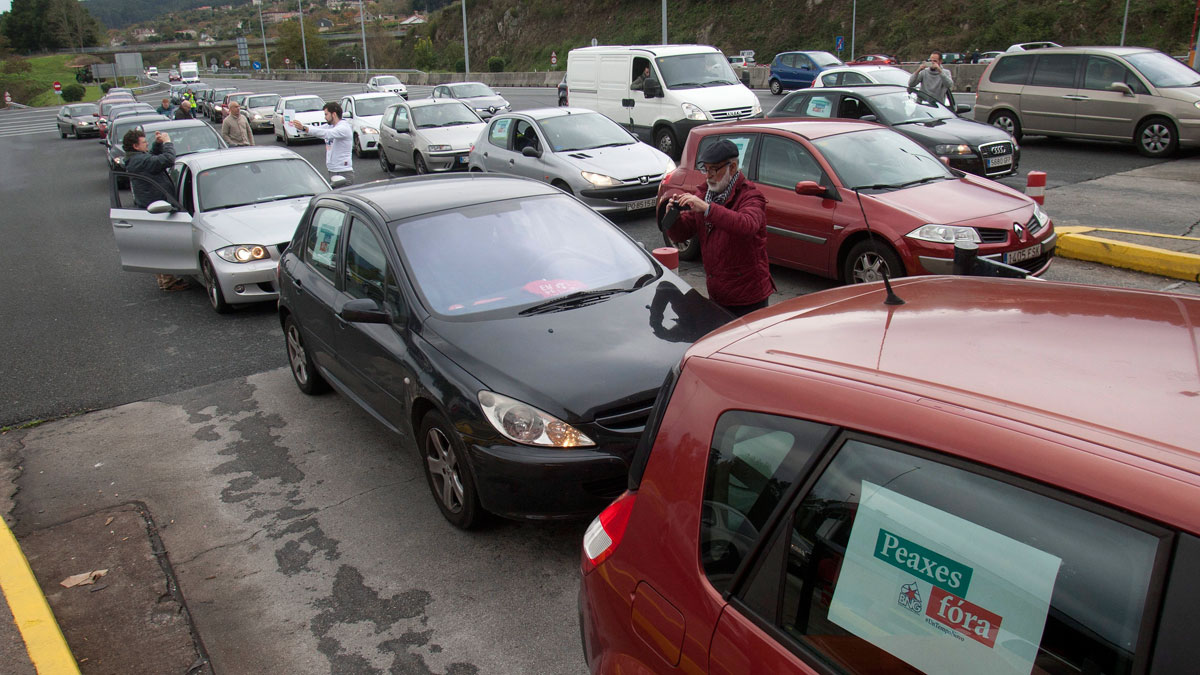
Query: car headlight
{"points": [[372, 130], [525, 424], [439, 148], [1197, 104], [243, 253], [257, 116], [756, 110], [1042, 216], [945, 234], [693, 112], [599, 179], [951, 149]]}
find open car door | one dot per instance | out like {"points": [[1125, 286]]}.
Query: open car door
{"points": [[152, 242]]}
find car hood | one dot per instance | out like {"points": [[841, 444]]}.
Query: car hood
{"points": [[485, 101], [956, 130], [309, 118], [719, 98], [265, 111], [86, 118], [954, 201], [369, 120], [575, 362], [267, 224], [1185, 94], [623, 162], [458, 138]]}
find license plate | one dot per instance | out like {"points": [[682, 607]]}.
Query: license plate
{"points": [[993, 162], [641, 204], [1024, 254]]}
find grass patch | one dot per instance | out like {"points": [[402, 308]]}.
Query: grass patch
{"points": [[47, 70], [24, 425]]}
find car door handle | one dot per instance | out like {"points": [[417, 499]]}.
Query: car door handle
{"points": [[122, 223], [512, 162], [485, 154], [1074, 97]]}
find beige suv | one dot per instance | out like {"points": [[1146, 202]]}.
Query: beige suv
{"points": [[1111, 93]]}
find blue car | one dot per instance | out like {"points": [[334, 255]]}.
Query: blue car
{"points": [[797, 70]]}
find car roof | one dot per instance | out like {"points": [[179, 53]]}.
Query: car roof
{"points": [[167, 125], [807, 128], [422, 102], [1112, 51], [548, 113], [295, 96], [137, 119], [402, 198], [653, 50], [371, 94], [860, 69], [227, 156], [869, 89], [1118, 367]]}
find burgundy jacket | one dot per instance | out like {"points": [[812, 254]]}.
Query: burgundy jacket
{"points": [[733, 241]]}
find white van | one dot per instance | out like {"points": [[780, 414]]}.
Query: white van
{"points": [[689, 85]]}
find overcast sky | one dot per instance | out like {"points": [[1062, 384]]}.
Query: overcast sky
{"points": [[5, 5]]}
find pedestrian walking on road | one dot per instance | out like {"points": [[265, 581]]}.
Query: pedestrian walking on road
{"points": [[933, 79], [339, 137], [150, 167], [728, 214], [184, 111], [235, 128], [165, 108]]}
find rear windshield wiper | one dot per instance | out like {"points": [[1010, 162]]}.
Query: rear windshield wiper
{"points": [[572, 300]]}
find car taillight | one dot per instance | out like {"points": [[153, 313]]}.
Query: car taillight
{"points": [[667, 175], [604, 534]]}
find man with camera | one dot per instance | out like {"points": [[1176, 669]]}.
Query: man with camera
{"points": [[933, 79], [153, 164], [728, 214]]}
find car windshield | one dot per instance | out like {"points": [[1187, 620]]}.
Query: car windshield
{"points": [[187, 140], [85, 109], [220, 94], [443, 115], [568, 133], [824, 59], [365, 107], [386, 79], [689, 71], [880, 159], [226, 187], [117, 131], [471, 90], [890, 76], [267, 101], [902, 107], [516, 253], [306, 104], [1164, 71]]}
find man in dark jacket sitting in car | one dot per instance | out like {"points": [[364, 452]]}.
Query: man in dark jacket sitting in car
{"points": [[729, 216], [153, 163]]}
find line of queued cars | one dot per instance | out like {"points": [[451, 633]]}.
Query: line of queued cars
{"points": [[832, 484]]}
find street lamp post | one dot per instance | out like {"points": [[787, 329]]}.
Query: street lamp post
{"points": [[303, 43], [664, 22], [266, 56], [853, 26], [362, 22], [466, 46], [1125, 23]]}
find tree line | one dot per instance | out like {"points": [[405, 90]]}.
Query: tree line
{"points": [[41, 25]]}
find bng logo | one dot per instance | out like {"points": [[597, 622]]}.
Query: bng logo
{"points": [[910, 598]]}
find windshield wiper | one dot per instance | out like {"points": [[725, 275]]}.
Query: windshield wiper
{"points": [[608, 145], [919, 181], [229, 206], [573, 300], [896, 186], [456, 123], [283, 197], [686, 84]]}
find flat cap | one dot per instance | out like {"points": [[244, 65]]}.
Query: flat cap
{"points": [[718, 152]]}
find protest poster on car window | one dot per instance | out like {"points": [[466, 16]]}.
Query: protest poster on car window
{"points": [[941, 593]]}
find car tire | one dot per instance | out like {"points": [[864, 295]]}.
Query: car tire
{"points": [[689, 250], [1157, 137], [419, 163], [776, 87], [444, 460], [1007, 121], [664, 140], [868, 259], [287, 140], [304, 371], [355, 149], [62, 133], [384, 163], [212, 287]]}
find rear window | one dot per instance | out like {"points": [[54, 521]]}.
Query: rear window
{"points": [[1056, 70], [1012, 70]]}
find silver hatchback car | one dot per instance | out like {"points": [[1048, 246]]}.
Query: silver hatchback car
{"points": [[1109, 93], [579, 151], [427, 135]]}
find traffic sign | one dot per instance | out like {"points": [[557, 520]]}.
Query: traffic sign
{"points": [[553, 59], [287, 61], [226, 63], [58, 87], [257, 65], [840, 41], [595, 42], [7, 97]]}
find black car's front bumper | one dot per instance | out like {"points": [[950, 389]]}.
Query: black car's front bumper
{"points": [[548, 483]]}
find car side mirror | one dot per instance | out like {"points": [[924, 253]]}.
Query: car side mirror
{"points": [[530, 151], [402, 126], [160, 207], [651, 88], [960, 108], [338, 181], [67, 115], [1121, 87], [811, 188], [363, 310], [869, 118]]}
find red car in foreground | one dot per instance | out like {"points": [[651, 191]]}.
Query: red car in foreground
{"points": [[874, 60], [996, 476], [826, 180]]}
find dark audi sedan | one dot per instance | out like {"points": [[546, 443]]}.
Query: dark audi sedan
{"points": [[970, 146], [516, 336]]}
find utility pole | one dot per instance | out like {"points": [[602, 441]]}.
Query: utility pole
{"points": [[466, 46], [664, 30], [303, 43], [853, 26], [263, 30], [1125, 23], [362, 22]]}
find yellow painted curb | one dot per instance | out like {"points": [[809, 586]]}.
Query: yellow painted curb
{"points": [[44, 641], [1080, 244]]}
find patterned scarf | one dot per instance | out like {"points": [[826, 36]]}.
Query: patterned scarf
{"points": [[724, 194]]}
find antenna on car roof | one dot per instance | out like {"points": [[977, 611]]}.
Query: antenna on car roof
{"points": [[892, 298]]}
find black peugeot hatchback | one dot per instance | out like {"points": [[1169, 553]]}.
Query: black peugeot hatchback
{"points": [[517, 337]]}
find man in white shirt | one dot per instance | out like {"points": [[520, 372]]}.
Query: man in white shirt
{"points": [[338, 137]]}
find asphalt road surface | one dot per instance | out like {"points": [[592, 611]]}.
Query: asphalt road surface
{"points": [[303, 534]]}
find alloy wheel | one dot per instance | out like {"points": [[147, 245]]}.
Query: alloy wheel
{"points": [[444, 470], [296, 355], [869, 266]]}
